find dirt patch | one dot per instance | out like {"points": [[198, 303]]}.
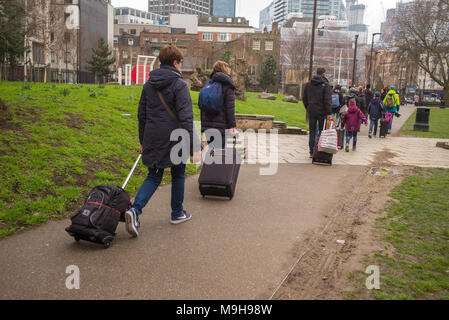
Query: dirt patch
{"points": [[5, 116], [329, 256], [75, 121]]}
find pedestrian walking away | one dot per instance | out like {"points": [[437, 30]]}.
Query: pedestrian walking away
{"points": [[375, 111], [353, 119], [392, 105], [317, 98], [368, 94], [165, 105], [222, 118]]}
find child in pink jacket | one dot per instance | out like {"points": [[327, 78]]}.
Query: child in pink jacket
{"points": [[353, 119]]}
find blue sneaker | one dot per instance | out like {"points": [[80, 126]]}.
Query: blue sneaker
{"points": [[182, 218], [132, 222]]}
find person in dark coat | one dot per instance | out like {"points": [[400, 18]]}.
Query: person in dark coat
{"points": [[225, 119], [368, 94], [375, 111], [155, 128], [317, 98]]}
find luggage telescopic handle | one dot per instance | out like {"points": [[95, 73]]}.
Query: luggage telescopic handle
{"points": [[132, 171]]}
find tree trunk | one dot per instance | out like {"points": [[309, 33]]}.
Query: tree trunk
{"points": [[446, 94]]}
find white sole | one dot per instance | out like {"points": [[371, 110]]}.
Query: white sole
{"points": [[130, 225], [180, 221]]}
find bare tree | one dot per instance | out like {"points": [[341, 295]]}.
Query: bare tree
{"points": [[295, 53], [424, 37]]}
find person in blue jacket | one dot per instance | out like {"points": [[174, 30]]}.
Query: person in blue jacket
{"points": [[375, 111]]}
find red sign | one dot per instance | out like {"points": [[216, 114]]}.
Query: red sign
{"points": [[144, 74]]}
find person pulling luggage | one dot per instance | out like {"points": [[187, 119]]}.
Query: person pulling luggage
{"points": [[217, 104], [375, 111], [318, 103], [165, 105]]}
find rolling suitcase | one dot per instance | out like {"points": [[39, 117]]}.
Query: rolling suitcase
{"points": [[383, 126], [97, 220], [319, 157], [219, 178], [340, 133]]}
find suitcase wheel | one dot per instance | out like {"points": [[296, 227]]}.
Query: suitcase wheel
{"points": [[107, 242], [77, 238]]}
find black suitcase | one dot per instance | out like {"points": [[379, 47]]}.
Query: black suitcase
{"points": [[341, 138], [340, 132], [383, 128], [322, 158], [97, 220], [219, 178]]}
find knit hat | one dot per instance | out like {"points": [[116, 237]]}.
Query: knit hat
{"points": [[377, 94], [352, 103]]}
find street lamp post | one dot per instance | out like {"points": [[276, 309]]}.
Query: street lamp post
{"points": [[312, 47], [371, 58], [355, 59]]}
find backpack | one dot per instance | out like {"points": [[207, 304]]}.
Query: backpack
{"points": [[98, 218], [335, 100], [211, 97], [389, 101]]}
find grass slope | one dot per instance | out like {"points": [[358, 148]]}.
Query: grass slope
{"points": [[438, 121], [58, 141], [417, 228]]}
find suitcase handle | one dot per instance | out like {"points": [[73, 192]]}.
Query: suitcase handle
{"points": [[132, 171]]}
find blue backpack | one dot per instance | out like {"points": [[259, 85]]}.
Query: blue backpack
{"points": [[335, 101], [211, 97]]}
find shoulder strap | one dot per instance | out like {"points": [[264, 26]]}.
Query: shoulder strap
{"points": [[170, 112]]}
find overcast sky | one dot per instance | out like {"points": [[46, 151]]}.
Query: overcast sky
{"points": [[250, 9]]}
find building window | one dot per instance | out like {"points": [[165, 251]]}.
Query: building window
{"points": [[156, 40], [53, 57], [224, 37], [133, 31], [130, 42], [252, 70], [269, 45], [67, 57], [256, 44], [208, 36], [125, 54]]}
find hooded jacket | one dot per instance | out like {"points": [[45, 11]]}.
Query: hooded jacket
{"points": [[353, 119], [155, 123], [397, 102], [375, 109], [226, 118], [317, 98]]}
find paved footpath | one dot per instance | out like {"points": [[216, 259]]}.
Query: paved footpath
{"points": [[239, 249], [409, 151]]}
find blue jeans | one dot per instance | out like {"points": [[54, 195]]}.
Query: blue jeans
{"points": [[153, 181], [350, 135], [373, 125], [315, 127]]}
